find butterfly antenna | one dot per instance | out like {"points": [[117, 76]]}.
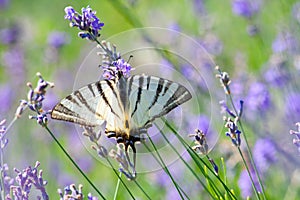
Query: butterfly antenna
{"points": [[130, 57]]}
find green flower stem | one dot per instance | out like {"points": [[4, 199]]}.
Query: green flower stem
{"points": [[186, 164], [249, 174], [2, 161], [73, 162], [141, 188], [193, 153], [117, 186], [119, 177], [249, 152], [162, 164]]}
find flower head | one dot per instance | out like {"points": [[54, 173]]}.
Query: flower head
{"points": [[246, 8], [224, 79], [292, 105], [126, 167], [72, 193], [296, 140], [57, 39], [258, 98], [264, 153], [26, 179], [113, 65], [10, 35], [200, 141], [87, 22]]}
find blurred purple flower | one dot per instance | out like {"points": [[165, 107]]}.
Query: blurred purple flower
{"points": [[7, 93], [292, 106], [285, 41], [277, 74], [296, 11], [245, 184], [258, 98], [201, 122], [13, 61], [199, 7], [212, 44], [57, 39], [264, 153], [246, 8], [10, 35], [4, 4]]}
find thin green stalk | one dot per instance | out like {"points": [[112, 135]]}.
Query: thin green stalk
{"points": [[142, 189], [117, 186], [161, 162], [119, 177], [73, 162], [249, 173], [2, 161], [249, 151], [186, 164], [192, 152]]}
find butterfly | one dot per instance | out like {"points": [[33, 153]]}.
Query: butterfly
{"points": [[127, 105]]}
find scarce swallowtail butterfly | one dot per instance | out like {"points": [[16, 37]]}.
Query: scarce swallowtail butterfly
{"points": [[128, 105]]}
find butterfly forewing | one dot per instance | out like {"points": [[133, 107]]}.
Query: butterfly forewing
{"points": [[87, 106], [153, 97]]}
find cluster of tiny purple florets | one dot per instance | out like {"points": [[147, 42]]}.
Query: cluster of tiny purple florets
{"points": [[72, 193], [296, 140], [26, 179], [87, 21], [34, 102]]}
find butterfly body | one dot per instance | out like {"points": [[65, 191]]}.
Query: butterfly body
{"points": [[128, 105]]}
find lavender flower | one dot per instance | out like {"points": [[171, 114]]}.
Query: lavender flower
{"points": [[212, 44], [292, 105], [3, 140], [245, 183], [13, 60], [296, 140], [26, 179], [94, 138], [6, 103], [224, 79], [258, 98], [72, 193], [246, 8], [200, 141], [296, 11], [10, 35], [264, 154], [126, 167], [285, 41], [4, 4], [87, 21], [57, 39], [233, 132], [34, 102], [7, 180], [112, 64], [276, 74]]}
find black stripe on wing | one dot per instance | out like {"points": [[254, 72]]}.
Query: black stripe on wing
{"points": [[180, 96], [139, 93], [157, 93], [104, 97], [61, 112]]}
